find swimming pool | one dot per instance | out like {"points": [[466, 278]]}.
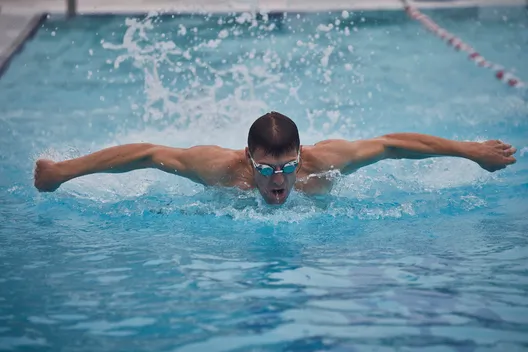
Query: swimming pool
{"points": [[418, 255]]}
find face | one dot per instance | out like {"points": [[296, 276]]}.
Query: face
{"points": [[276, 187]]}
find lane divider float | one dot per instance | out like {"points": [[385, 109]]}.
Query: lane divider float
{"points": [[459, 45]]}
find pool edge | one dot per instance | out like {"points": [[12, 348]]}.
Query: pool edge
{"points": [[140, 7], [17, 44]]}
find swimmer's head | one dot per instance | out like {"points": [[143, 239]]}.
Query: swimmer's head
{"points": [[274, 152]]}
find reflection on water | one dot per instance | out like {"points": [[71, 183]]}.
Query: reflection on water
{"points": [[205, 283]]}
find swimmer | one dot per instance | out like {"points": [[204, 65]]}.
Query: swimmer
{"points": [[273, 162]]}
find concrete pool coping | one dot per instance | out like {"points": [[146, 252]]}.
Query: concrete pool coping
{"points": [[19, 19], [143, 6], [15, 29]]}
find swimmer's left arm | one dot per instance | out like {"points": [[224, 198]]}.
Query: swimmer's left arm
{"points": [[491, 155]]}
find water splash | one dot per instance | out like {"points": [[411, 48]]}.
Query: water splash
{"points": [[196, 92], [193, 96]]}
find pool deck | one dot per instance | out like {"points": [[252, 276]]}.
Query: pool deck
{"points": [[20, 18], [142, 6]]}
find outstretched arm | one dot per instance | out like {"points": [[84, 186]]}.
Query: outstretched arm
{"points": [[490, 155], [50, 175]]}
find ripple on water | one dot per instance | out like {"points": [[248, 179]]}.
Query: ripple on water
{"points": [[105, 327], [14, 343]]}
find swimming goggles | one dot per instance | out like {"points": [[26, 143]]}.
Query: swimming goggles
{"points": [[267, 170]]}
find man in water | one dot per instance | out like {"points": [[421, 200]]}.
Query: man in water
{"points": [[274, 162]]}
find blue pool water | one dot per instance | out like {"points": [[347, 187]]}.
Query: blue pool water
{"points": [[424, 255]]}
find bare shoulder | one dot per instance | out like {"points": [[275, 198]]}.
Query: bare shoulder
{"points": [[205, 164], [326, 155], [211, 156], [333, 145], [211, 152], [320, 157], [346, 156], [194, 156], [215, 164]]}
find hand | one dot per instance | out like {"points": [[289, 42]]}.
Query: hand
{"points": [[494, 155], [47, 176]]}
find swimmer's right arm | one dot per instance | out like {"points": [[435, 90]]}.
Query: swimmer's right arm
{"points": [[50, 175]]}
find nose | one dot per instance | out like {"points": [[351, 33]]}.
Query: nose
{"points": [[277, 179]]}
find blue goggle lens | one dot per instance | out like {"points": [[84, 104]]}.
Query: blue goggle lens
{"points": [[289, 168], [268, 170]]}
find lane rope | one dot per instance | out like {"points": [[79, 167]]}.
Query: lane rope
{"points": [[500, 72]]}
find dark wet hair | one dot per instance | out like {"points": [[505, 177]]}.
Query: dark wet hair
{"points": [[275, 133]]}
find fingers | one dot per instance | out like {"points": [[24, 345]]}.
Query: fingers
{"points": [[509, 151], [500, 144]]}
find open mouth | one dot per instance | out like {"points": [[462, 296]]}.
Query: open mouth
{"points": [[277, 192]]}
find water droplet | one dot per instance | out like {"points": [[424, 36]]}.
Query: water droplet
{"points": [[223, 34], [182, 30]]}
